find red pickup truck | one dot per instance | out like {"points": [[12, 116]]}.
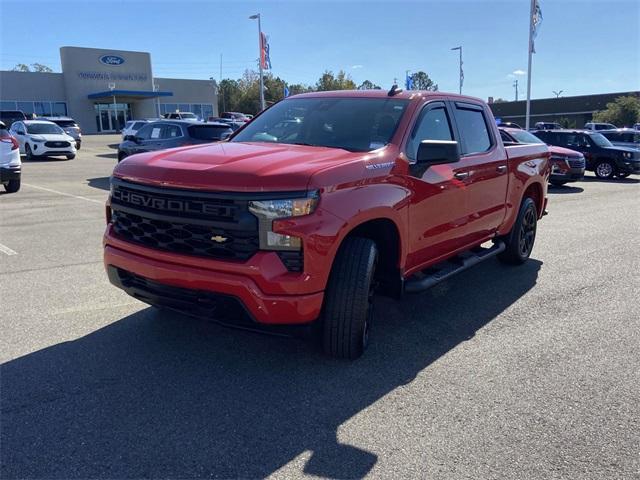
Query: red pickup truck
{"points": [[317, 204]]}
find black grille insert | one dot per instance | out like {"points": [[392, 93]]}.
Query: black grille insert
{"points": [[57, 144]]}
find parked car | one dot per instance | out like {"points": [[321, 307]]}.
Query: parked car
{"points": [[547, 126], [241, 117], [40, 138], [169, 134], [566, 165], [234, 124], [599, 126], [636, 126], [70, 127], [181, 116], [132, 126], [385, 192], [509, 125], [10, 165], [623, 137], [9, 116], [603, 158]]}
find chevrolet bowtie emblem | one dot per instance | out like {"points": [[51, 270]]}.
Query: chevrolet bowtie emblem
{"points": [[219, 239]]}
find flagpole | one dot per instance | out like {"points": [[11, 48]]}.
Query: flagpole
{"points": [[528, 111], [253, 17]]}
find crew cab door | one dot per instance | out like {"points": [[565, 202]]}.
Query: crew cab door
{"points": [[484, 170], [438, 209]]}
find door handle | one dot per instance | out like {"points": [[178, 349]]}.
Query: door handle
{"points": [[461, 175], [501, 168]]}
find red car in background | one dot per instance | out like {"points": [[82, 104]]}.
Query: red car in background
{"points": [[566, 165]]}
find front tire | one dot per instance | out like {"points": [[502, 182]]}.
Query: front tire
{"points": [[70, 157], [12, 186], [348, 303], [121, 156], [519, 243], [28, 152], [605, 170], [623, 174]]}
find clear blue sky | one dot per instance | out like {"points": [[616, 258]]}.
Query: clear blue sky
{"points": [[584, 46]]}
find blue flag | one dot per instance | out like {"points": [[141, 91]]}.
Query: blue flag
{"points": [[286, 92], [408, 82]]}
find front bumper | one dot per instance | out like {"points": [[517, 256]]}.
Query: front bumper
{"points": [[629, 167], [40, 149], [10, 173], [567, 175], [191, 288]]}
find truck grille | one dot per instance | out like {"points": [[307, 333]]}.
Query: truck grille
{"points": [[185, 221], [576, 162]]}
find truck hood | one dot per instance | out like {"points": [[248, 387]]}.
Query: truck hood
{"points": [[234, 166]]}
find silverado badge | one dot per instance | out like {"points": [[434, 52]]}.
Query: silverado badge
{"points": [[219, 239]]}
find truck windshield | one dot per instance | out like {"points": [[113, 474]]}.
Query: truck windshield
{"points": [[600, 140], [522, 136], [354, 124]]}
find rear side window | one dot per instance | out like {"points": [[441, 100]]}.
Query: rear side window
{"points": [[473, 130], [171, 131], [208, 132], [433, 124], [65, 123]]}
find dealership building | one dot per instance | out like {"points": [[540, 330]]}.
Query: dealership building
{"points": [[102, 89]]}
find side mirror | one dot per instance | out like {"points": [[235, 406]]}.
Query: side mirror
{"points": [[20, 132], [436, 152], [131, 138]]}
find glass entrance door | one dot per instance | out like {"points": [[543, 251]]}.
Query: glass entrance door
{"points": [[110, 118]]}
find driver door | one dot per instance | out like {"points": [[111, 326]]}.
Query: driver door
{"points": [[438, 209]]}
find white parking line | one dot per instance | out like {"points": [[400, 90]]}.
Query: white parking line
{"points": [[101, 202], [6, 250]]}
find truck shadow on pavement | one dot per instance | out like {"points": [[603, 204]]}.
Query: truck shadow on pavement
{"points": [[102, 183], [564, 189], [160, 395]]}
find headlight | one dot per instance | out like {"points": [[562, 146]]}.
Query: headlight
{"points": [[627, 154], [269, 210], [37, 139]]}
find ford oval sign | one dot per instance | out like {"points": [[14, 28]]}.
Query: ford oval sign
{"points": [[111, 60]]}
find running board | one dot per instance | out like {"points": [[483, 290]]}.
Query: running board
{"points": [[441, 271]]}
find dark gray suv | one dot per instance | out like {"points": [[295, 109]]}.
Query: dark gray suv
{"points": [[171, 133]]}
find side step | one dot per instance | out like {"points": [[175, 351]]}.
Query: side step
{"points": [[441, 271]]}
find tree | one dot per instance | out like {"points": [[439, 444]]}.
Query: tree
{"points": [[35, 67], [297, 88], [623, 111], [421, 81], [499, 100], [368, 85], [566, 122], [229, 95], [328, 81]]}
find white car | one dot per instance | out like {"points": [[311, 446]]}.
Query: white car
{"points": [[10, 165], [595, 126], [39, 138], [132, 126]]}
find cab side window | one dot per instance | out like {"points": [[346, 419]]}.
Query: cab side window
{"points": [[474, 132], [171, 131], [433, 124]]}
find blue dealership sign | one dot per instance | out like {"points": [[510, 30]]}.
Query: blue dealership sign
{"points": [[111, 60]]}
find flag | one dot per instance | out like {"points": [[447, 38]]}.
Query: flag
{"points": [[265, 59], [461, 75], [286, 92], [536, 21], [408, 82]]}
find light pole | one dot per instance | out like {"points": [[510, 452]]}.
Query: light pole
{"points": [[515, 85], [112, 87], [156, 88], [557, 94], [460, 65], [254, 17]]}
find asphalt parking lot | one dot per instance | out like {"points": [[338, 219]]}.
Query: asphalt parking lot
{"points": [[501, 372]]}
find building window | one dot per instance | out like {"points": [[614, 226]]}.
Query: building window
{"points": [[207, 111], [197, 109], [42, 109], [170, 107], [7, 105], [59, 109], [26, 107], [184, 107]]}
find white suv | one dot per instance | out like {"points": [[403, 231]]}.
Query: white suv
{"points": [[599, 126], [9, 161], [38, 138]]}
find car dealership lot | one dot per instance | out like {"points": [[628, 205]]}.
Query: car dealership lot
{"points": [[497, 373]]}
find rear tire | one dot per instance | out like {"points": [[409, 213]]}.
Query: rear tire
{"points": [[519, 243], [12, 186], [348, 302], [605, 169]]}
